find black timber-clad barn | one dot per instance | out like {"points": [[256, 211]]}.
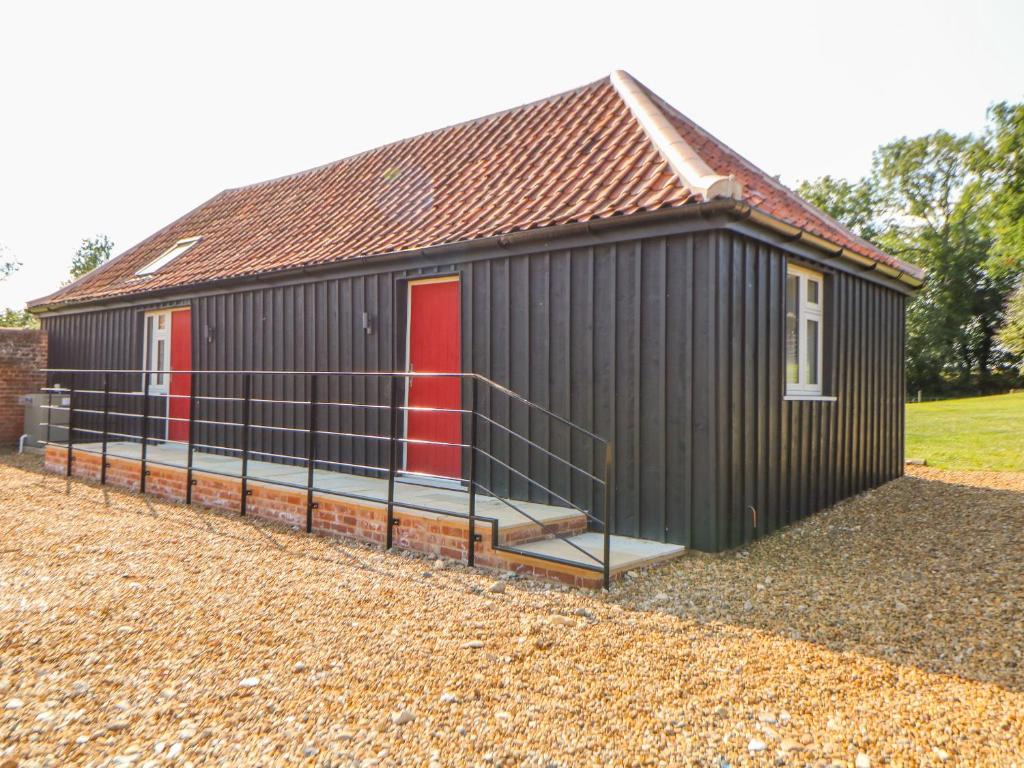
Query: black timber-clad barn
{"points": [[611, 261]]}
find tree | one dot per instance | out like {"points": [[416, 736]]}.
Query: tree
{"points": [[17, 318], [854, 204], [91, 253], [929, 200], [934, 214], [1002, 155], [13, 318], [1011, 335], [8, 264]]}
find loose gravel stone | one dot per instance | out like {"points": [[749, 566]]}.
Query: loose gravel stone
{"points": [[402, 718], [212, 599]]}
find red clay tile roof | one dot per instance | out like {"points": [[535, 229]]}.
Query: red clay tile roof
{"points": [[574, 157], [764, 192]]}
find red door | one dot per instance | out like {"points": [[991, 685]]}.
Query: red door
{"points": [[180, 384], [434, 347]]}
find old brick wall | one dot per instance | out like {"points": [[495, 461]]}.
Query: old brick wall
{"points": [[22, 354]]}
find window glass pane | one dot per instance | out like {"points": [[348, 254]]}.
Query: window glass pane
{"points": [[812, 352], [812, 291], [161, 321], [792, 329], [160, 361]]}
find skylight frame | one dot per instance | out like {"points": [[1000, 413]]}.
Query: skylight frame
{"points": [[178, 249]]}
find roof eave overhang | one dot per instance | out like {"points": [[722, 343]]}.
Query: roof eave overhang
{"points": [[820, 244], [720, 207]]}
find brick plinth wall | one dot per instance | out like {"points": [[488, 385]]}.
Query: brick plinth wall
{"points": [[335, 516], [22, 355]]}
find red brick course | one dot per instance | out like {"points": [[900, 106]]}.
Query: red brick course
{"points": [[22, 355], [335, 516]]}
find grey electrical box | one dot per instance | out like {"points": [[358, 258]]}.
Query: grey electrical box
{"points": [[37, 413]]}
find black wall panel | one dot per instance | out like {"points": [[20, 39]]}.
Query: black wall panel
{"points": [[669, 346]]}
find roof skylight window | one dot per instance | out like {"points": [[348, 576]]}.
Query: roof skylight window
{"points": [[168, 256]]}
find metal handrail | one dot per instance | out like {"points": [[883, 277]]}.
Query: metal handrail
{"points": [[405, 374], [75, 395]]}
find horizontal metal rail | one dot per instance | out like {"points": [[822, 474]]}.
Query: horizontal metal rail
{"points": [[493, 385], [161, 406], [536, 484], [543, 450]]}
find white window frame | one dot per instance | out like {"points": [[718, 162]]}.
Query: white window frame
{"points": [[808, 311], [168, 256], [159, 383]]}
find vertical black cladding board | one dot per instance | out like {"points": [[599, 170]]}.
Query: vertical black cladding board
{"points": [[539, 339], [654, 296], [580, 316], [500, 371], [521, 363], [705, 510], [479, 360], [604, 352], [678, 388], [626, 306], [560, 438], [751, 389], [724, 364]]}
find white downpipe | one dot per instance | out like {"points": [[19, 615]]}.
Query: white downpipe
{"points": [[21, 443], [691, 169]]}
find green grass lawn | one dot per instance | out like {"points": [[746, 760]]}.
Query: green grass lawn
{"points": [[973, 433]]}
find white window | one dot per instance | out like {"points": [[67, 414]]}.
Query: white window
{"points": [[168, 256], [805, 298], [157, 351]]}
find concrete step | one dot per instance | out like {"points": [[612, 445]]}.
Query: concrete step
{"points": [[626, 553]]}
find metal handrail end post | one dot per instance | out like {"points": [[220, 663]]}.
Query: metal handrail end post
{"points": [[471, 543], [311, 451], [392, 461]]}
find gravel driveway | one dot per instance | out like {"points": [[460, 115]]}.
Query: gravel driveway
{"points": [[139, 632]]}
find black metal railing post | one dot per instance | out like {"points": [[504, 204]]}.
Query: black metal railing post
{"points": [[311, 450], [71, 424], [392, 461], [609, 501], [106, 427], [471, 544], [246, 421], [49, 406], [191, 436], [145, 432]]}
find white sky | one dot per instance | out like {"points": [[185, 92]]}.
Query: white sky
{"points": [[118, 118]]}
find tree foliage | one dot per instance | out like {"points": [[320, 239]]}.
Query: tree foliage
{"points": [[8, 264], [17, 318], [1011, 335], [955, 206], [13, 318], [1003, 156], [90, 254]]}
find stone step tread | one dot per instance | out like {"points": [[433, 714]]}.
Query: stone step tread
{"points": [[626, 553]]}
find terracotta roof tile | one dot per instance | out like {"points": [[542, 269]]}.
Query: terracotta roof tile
{"points": [[574, 157], [763, 191]]}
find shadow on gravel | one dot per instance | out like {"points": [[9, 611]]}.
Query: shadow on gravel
{"points": [[925, 571], [205, 518]]}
